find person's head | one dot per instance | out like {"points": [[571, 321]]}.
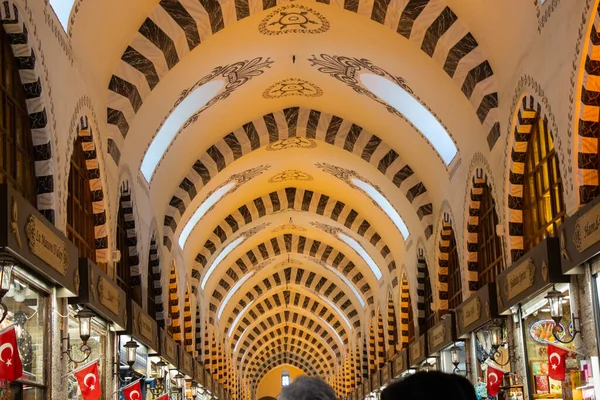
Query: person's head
{"points": [[430, 385], [307, 388]]}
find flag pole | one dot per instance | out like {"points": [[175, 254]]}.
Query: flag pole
{"points": [[566, 349], [80, 368]]}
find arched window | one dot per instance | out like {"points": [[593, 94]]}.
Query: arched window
{"points": [[454, 283], [123, 268], [543, 206], [285, 378], [80, 215], [489, 247], [16, 146]]}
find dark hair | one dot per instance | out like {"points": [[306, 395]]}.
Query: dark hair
{"points": [[307, 388], [430, 385]]}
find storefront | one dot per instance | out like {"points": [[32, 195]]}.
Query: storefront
{"points": [[580, 250], [400, 367], [417, 354], [197, 388], [523, 292], [448, 353], [104, 304], [186, 368], [38, 264]]}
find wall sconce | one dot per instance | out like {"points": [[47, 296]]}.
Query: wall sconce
{"points": [[6, 271], [455, 357], [179, 380], [84, 317], [494, 333], [194, 390], [131, 351], [555, 301]]}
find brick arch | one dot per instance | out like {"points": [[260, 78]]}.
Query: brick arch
{"points": [[529, 112], [278, 301], [405, 309], [587, 123], [381, 348], [282, 358], [297, 277], [155, 269], [292, 198], [372, 350], [423, 278], [174, 308], [174, 28], [392, 324], [126, 202], [188, 341], [265, 326], [255, 372], [29, 67], [292, 243], [299, 122]]}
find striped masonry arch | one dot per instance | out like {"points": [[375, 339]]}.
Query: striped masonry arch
{"points": [[285, 358], [86, 139], [198, 339], [126, 203], [277, 344], [366, 360], [348, 384], [207, 349], [589, 124], [404, 310], [352, 368], [188, 341], [357, 365], [422, 278], [530, 113], [220, 361], [381, 352], [444, 247], [175, 27], [372, 350], [29, 72], [214, 356], [174, 310], [156, 271], [257, 361], [279, 129], [392, 326]]}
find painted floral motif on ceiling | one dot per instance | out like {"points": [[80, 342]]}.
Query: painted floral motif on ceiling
{"points": [[290, 175], [289, 227], [292, 87], [292, 143], [293, 18]]}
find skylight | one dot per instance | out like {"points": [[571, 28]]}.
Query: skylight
{"points": [[231, 292], [347, 282], [361, 252], [341, 314], [188, 107], [220, 258], [204, 207], [414, 111], [384, 204], [62, 9], [239, 316]]}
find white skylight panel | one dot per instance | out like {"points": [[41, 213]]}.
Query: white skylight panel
{"points": [[204, 207], [361, 252], [231, 292], [188, 107], [348, 283], [220, 258], [62, 9], [239, 316], [384, 204], [326, 300], [414, 111]]}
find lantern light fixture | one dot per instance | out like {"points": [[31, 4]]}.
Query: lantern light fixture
{"points": [[179, 380], [455, 357], [6, 279], [131, 352], [84, 318], [194, 390], [556, 299], [494, 334]]}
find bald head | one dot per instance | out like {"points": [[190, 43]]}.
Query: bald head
{"points": [[307, 388]]}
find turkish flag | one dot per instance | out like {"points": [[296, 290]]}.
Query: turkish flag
{"points": [[88, 379], [556, 362], [11, 368], [133, 391], [163, 397], [494, 380]]}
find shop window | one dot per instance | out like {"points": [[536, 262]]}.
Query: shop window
{"points": [[543, 206], [80, 215], [489, 246], [27, 309], [454, 284], [16, 146], [123, 268]]}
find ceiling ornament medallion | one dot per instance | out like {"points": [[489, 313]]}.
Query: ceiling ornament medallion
{"points": [[293, 18], [290, 175], [292, 87], [292, 143], [332, 230], [289, 227], [254, 230]]}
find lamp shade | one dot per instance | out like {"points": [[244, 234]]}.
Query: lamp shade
{"points": [[84, 317], [131, 348], [6, 272], [554, 298]]}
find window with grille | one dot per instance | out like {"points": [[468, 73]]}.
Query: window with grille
{"points": [[489, 246], [16, 146], [123, 269], [428, 301], [80, 216], [543, 205], [454, 284]]}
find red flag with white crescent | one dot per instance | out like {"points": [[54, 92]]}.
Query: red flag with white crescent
{"points": [[556, 362], [88, 379], [133, 391], [163, 397], [11, 367], [494, 380]]}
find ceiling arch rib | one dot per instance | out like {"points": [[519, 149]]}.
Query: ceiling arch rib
{"points": [[298, 244], [277, 301], [292, 198], [273, 331], [293, 126], [296, 316], [253, 366], [282, 359], [294, 275], [175, 27]]}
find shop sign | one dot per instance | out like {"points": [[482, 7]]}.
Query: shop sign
{"points": [[477, 310], [470, 312], [399, 364], [143, 327], [375, 382], [519, 279], [437, 335], [146, 326], [47, 245], [108, 294], [169, 348], [366, 387], [587, 229], [417, 349], [208, 382], [186, 362], [199, 373], [385, 374]]}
